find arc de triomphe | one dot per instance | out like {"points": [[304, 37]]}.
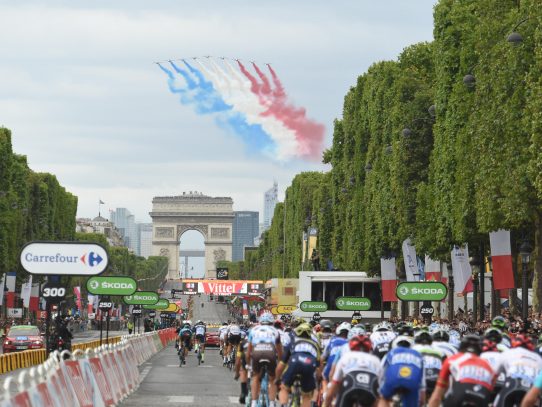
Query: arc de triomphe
{"points": [[174, 215]]}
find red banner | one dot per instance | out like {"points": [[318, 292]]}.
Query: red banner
{"points": [[223, 287]]}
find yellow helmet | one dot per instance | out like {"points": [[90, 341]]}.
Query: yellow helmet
{"points": [[303, 328]]}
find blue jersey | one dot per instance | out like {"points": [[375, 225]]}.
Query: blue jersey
{"points": [[185, 333], [331, 351], [404, 365]]}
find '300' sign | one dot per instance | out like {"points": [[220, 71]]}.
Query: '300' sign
{"points": [[53, 293]]}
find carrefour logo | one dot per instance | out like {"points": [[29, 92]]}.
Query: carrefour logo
{"points": [[91, 259]]}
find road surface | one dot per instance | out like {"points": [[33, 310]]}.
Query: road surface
{"points": [[164, 383]]}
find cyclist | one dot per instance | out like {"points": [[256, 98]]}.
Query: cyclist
{"points": [[302, 358], [521, 366], [331, 350], [185, 338], [471, 377], [264, 348], [381, 338], [432, 358], [233, 338], [491, 353], [327, 332], [441, 342], [199, 335], [284, 336], [222, 337], [500, 323], [404, 373], [532, 397], [241, 372], [356, 375]]}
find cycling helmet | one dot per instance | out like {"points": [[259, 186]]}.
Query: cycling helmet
{"points": [[493, 335], [355, 331], [441, 335], [500, 323], [186, 326], [303, 328], [327, 325], [266, 318], [344, 327], [403, 341], [489, 346], [471, 343], [355, 321], [406, 330], [423, 337], [224, 323], [297, 321], [383, 326], [524, 341], [360, 343], [199, 322]]}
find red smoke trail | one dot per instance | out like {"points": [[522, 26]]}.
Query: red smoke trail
{"points": [[309, 134]]}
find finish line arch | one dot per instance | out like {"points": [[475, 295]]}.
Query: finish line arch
{"points": [[174, 215]]}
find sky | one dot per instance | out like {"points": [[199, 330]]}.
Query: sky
{"points": [[80, 92]]}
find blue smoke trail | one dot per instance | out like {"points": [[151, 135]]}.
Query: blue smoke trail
{"points": [[206, 100]]}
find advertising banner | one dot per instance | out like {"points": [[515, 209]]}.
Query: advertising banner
{"points": [[254, 289], [313, 306], [222, 288], [141, 298], [353, 303], [160, 305], [190, 288], [114, 285], [222, 273], [421, 291]]}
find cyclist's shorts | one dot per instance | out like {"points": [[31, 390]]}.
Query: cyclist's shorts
{"points": [[264, 355], [409, 389], [467, 392], [512, 392], [234, 339], [358, 386], [186, 341], [200, 338], [303, 365]]}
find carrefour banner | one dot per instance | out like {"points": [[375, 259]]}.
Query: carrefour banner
{"points": [[223, 287]]}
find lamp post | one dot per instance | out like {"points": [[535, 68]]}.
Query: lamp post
{"points": [[450, 292], [525, 252]]}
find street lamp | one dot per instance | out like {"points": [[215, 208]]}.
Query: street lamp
{"points": [[525, 252], [451, 293], [475, 262]]}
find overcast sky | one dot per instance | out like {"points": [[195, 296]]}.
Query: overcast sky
{"points": [[84, 100]]}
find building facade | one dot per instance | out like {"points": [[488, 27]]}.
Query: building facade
{"points": [[123, 219], [145, 239], [245, 230], [269, 202], [100, 226]]}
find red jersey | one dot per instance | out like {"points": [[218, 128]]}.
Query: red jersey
{"points": [[466, 368]]}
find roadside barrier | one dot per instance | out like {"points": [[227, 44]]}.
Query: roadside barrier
{"points": [[97, 377]]}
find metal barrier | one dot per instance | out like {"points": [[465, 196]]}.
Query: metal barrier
{"points": [[95, 343]]}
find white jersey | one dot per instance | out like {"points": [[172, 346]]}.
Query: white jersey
{"points": [[264, 334], [447, 348], [352, 361], [495, 360], [521, 363], [234, 330], [200, 329], [380, 337], [222, 332]]}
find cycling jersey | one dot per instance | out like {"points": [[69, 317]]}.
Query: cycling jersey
{"points": [[234, 330], [404, 372], [330, 353], [495, 360], [264, 339], [185, 334], [302, 358], [447, 348], [353, 361], [521, 363], [199, 330], [432, 364], [222, 332], [472, 379], [381, 341]]}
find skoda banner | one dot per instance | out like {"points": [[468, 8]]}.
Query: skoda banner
{"points": [[313, 306], [116, 285], [141, 298], [421, 291], [162, 304], [353, 303]]}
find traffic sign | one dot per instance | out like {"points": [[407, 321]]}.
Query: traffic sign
{"points": [[141, 298], [421, 291], [313, 306], [162, 304], [286, 309], [64, 258], [113, 285], [353, 303], [53, 293]]}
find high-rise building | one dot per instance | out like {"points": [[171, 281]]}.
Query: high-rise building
{"points": [[269, 202], [145, 239], [125, 223], [245, 229]]}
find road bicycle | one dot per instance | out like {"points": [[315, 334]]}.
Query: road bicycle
{"points": [[295, 399], [231, 359], [182, 360], [263, 399]]}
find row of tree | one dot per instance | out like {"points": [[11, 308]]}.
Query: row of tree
{"points": [[442, 145]]}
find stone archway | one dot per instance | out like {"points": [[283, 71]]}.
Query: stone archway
{"points": [[174, 215]]}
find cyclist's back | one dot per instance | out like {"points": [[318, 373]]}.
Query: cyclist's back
{"points": [[403, 372]]}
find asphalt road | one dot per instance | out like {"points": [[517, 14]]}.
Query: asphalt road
{"points": [[164, 383]]}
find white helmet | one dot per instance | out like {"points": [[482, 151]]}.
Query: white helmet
{"points": [[403, 341], [345, 326], [355, 331], [382, 326]]}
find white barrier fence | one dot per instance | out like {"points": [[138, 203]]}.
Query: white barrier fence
{"points": [[99, 377]]}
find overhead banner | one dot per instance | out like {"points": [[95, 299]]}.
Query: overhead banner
{"points": [[222, 287], [254, 289], [190, 288]]}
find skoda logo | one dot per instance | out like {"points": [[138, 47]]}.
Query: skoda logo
{"points": [[94, 284], [403, 290]]}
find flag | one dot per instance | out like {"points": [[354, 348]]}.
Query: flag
{"points": [[26, 288], [501, 259], [90, 304], [34, 298], [389, 279], [77, 292], [10, 284], [432, 269], [409, 256], [2, 285], [461, 270]]}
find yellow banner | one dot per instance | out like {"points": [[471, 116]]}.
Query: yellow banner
{"points": [[286, 309]]}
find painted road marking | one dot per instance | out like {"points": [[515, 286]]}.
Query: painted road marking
{"points": [[144, 373], [181, 399], [234, 400]]}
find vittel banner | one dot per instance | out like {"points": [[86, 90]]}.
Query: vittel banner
{"points": [[221, 287]]}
